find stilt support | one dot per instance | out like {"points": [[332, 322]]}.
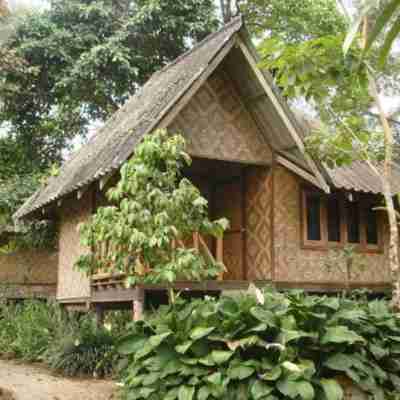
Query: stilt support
{"points": [[138, 304], [99, 315]]}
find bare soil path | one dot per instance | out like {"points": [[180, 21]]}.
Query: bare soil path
{"points": [[30, 382]]}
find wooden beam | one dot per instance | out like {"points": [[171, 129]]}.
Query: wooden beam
{"points": [[104, 180], [282, 113], [254, 99], [299, 171]]}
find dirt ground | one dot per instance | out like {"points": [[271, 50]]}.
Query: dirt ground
{"points": [[26, 382]]}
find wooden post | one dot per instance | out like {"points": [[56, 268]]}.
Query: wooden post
{"points": [[99, 315], [196, 240], [138, 304], [220, 255]]}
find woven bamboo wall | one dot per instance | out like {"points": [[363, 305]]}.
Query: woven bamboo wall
{"points": [[216, 125], [29, 267], [72, 283], [292, 263], [258, 223]]}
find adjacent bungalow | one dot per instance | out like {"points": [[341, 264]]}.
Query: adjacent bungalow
{"points": [[291, 217], [25, 273]]}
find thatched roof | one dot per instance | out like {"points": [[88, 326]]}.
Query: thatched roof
{"points": [[116, 140]]}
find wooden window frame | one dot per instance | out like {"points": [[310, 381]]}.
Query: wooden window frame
{"points": [[324, 244]]}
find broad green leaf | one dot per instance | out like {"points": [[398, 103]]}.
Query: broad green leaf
{"points": [[146, 392], [378, 351], [260, 389], [291, 367], [263, 315], [389, 40], [340, 334], [221, 356], [332, 389], [305, 390], [272, 375], [292, 389], [380, 23], [131, 344], [204, 393], [351, 34], [186, 392], [151, 344], [240, 372], [288, 335], [340, 362], [184, 347], [199, 332], [215, 378], [172, 394]]}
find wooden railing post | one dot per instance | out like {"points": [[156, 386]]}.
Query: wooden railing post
{"points": [[138, 304], [196, 240], [220, 255]]}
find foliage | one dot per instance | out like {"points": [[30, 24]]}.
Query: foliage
{"points": [[27, 329], [82, 348], [66, 342], [338, 87], [154, 209], [293, 21], [85, 58], [283, 346], [14, 191], [387, 23]]}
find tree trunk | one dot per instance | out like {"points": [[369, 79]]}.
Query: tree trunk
{"points": [[385, 178], [387, 193], [226, 10]]}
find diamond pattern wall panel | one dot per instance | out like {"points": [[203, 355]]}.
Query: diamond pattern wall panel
{"points": [[258, 223], [216, 124]]}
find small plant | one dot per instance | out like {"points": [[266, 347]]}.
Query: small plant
{"points": [[154, 210], [82, 348], [26, 329]]}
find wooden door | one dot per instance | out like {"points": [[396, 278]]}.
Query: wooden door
{"points": [[228, 203]]}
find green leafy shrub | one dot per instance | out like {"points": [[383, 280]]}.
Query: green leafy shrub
{"points": [[67, 343], [27, 329], [281, 346], [154, 208], [83, 348]]}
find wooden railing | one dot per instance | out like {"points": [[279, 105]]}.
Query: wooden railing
{"points": [[197, 242]]}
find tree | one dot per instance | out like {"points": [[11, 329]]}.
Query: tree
{"points": [[85, 58], [343, 90], [155, 210], [293, 21], [73, 64]]}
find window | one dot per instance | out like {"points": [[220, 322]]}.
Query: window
{"points": [[334, 220], [371, 226], [353, 221], [313, 217], [333, 211]]}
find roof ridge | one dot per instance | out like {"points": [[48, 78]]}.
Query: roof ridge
{"points": [[199, 44]]}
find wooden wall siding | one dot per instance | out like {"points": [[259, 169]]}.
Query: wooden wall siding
{"points": [[258, 223], [293, 263], [72, 283], [216, 124], [29, 267]]}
